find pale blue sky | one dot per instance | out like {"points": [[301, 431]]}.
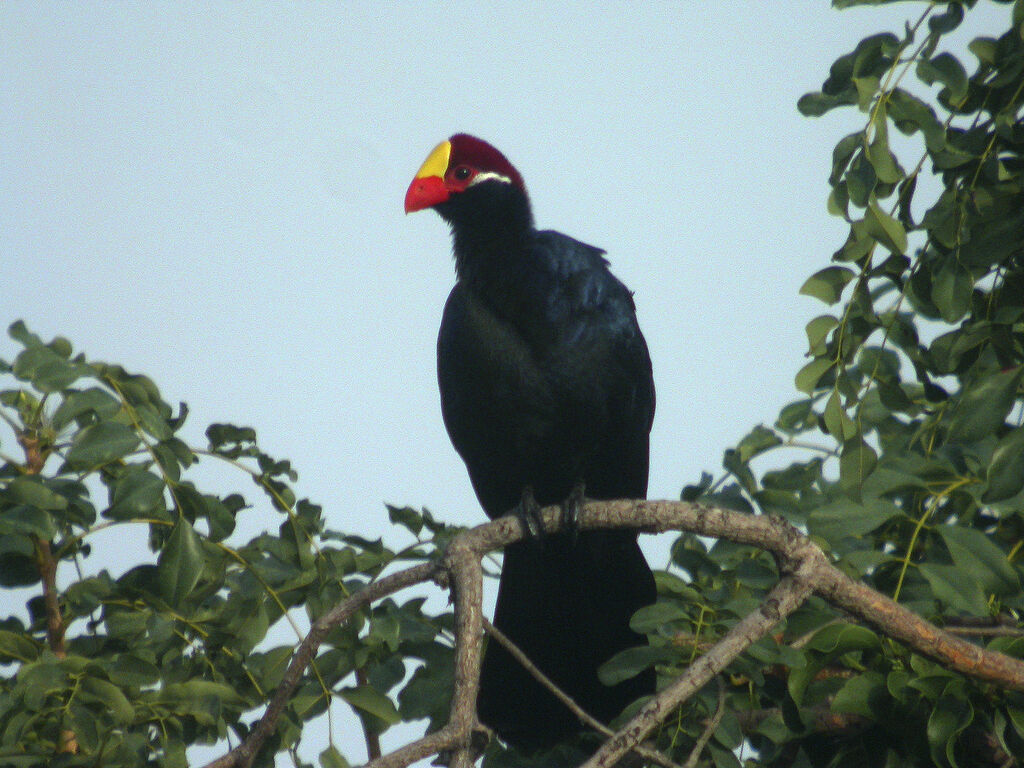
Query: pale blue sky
{"points": [[212, 194]]}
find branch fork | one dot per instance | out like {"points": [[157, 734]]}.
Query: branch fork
{"points": [[805, 570]]}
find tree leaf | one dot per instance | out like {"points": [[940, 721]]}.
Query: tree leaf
{"points": [[796, 416], [48, 371], [887, 167], [1006, 470], [885, 229], [946, 69], [951, 715], [34, 493], [817, 103], [85, 725], [979, 559], [79, 402], [845, 517], [866, 87], [837, 639], [808, 377], [827, 284], [407, 517], [88, 594], [24, 519], [952, 290], [1016, 716], [756, 442], [180, 563], [949, 585], [101, 443], [818, 330], [985, 48], [651, 618], [332, 758], [22, 334], [111, 697], [862, 695], [370, 700], [138, 493], [838, 424], [131, 671], [942, 23], [15, 646], [984, 405], [631, 662], [861, 180], [152, 421], [842, 153], [429, 692], [856, 462]]}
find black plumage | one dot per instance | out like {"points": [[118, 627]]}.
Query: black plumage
{"points": [[545, 384]]}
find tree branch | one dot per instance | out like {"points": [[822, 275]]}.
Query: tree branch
{"points": [[242, 755], [46, 564], [901, 624], [780, 538], [462, 562], [805, 567], [782, 600], [709, 729], [819, 718], [372, 738]]}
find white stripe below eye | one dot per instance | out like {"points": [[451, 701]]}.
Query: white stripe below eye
{"points": [[486, 175]]}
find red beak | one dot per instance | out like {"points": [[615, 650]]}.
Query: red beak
{"points": [[425, 192]]}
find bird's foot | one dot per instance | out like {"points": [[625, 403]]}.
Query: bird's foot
{"points": [[528, 513], [570, 517]]}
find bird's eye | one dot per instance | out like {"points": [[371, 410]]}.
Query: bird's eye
{"points": [[463, 172]]}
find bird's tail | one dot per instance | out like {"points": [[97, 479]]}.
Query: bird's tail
{"points": [[567, 606]]}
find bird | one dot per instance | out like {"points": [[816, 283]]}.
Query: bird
{"points": [[547, 394]]}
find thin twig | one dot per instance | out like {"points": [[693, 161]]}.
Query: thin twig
{"points": [[371, 737], [431, 744], [819, 718], [1000, 631], [585, 717], [709, 729]]}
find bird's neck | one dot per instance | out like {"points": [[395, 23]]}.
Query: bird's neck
{"points": [[492, 246]]}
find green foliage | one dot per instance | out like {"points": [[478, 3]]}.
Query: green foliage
{"points": [[175, 651], [909, 440]]}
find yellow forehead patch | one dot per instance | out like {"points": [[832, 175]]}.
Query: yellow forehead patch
{"points": [[436, 163]]}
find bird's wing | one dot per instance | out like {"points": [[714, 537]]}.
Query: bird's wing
{"points": [[591, 312]]}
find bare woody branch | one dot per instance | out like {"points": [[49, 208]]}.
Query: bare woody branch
{"points": [[804, 567], [780, 538], [781, 601]]}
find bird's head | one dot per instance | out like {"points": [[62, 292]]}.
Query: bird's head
{"points": [[463, 171]]}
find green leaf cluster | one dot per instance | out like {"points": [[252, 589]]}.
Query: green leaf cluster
{"points": [[904, 456], [132, 669]]}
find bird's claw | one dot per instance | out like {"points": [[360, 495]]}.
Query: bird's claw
{"points": [[571, 507], [528, 513]]}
